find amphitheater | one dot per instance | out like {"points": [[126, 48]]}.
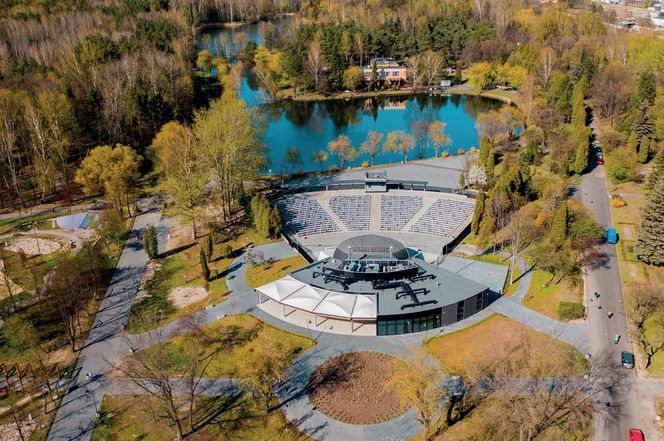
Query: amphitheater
{"points": [[379, 263]]}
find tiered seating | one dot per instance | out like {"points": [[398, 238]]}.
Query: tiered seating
{"points": [[396, 211], [354, 211], [443, 217], [304, 217]]}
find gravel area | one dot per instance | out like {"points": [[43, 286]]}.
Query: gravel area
{"points": [[185, 296], [33, 246], [351, 388]]}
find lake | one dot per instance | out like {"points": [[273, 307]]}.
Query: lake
{"points": [[309, 126]]}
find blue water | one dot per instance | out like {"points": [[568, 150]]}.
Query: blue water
{"points": [[309, 126]]}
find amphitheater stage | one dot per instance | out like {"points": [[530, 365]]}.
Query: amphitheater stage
{"points": [[325, 244]]}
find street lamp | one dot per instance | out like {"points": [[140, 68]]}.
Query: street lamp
{"points": [[34, 231]]}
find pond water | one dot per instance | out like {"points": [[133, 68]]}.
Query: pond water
{"points": [[309, 126]]}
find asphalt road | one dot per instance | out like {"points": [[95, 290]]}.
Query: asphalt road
{"points": [[75, 418], [605, 280]]}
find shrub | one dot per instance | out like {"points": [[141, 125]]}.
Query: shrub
{"points": [[332, 168], [473, 150], [461, 152], [617, 201], [226, 251], [365, 164], [445, 154], [570, 310]]}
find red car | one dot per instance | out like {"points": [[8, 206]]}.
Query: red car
{"points": [[600, 161], [636, 435]]}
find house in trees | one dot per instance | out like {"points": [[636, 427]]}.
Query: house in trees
{"points": [[385, 69]]}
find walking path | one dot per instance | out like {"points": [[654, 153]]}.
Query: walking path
{"points": [[76, 415]]}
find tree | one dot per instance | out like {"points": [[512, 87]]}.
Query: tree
{"points": [[520, 230], [657, 173], [649, 245], [478, 213], [493, 126], [642, 132], [181, 174], [315, 63], [111, 227], [208, 246], [229, 148], [263, 368], [582, 135], [320, 157], [611, 91], [399, 142], [150, 242], [558, 232], [371, 145], [342, 149], [111, 170], [578, 102], [420, 129], [352, 78], [479, 76], [648, 304], [438, 136], [431, 64], [205, 270], [476, 177], [293, 157], [545, 66]]}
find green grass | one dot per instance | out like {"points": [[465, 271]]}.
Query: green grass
{"points": [[269, 272], [127, 418], [462, 351], [22, 272], [230, 341], [544, 296]]}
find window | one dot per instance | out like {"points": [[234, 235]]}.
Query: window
{"points": [[395, 73], [460, 311], [478, 302]]}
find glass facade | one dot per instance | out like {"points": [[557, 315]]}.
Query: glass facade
{"points": [[407, 324]]}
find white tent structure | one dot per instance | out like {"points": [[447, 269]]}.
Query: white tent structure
{"points": [[289, 292]]}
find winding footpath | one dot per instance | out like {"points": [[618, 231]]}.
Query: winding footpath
{"points": [[106, 344]]}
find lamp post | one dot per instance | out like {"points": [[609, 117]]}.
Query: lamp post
{"points": [[34, 231]]}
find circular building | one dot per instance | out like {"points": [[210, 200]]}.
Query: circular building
{"points": [[372, 286]]}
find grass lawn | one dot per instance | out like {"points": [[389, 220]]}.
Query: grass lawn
{"points": [[268, 272], [461, 351], [126, 418], [544, 296], [181, 269], [31, 271], [632, 271], [230, 340]]}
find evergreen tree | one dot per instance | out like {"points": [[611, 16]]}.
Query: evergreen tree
{"points": [[485, 149], [644, 150], [582, 134], [578, 103], [558, 232], [649, 245], [657, 172], [150, 242], [205, 270], [642, 131], [209, 247], [478, 213], [490, 165], [275, 222], [646, 89]]}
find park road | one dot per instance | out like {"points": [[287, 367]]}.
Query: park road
{"points": [[77, 413]]}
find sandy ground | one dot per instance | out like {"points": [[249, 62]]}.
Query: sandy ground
{"points": [[8, 432], [33, 246], [178, 235], [185, 296], [150, 270], [351, 388]]}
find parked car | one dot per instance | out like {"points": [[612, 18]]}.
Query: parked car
{"points": [[636, 435], [600, 161], [611, 235], [627, 359]]}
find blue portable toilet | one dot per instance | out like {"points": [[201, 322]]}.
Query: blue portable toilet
{"points": [[611, 235]]}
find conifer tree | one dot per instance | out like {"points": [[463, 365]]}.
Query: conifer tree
{"points": [[490, 165], [578, 103], [478, 213], [642, 131], [485, 149], [205, 270], [150, 242], [649, 245], [558, 232], [209, 247], [657, 172], [582, 135]]}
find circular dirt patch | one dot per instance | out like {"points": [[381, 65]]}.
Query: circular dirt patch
{"points": [[351, 388], [185, 296], [33, 246]]}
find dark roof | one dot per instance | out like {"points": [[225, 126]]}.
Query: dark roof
{"points": [[371, 245]]}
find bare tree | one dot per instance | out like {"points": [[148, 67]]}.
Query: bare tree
{"points": [[648, 304], [520, 230], [431, 63], [545, 66], [371, 145], [315, 62]]}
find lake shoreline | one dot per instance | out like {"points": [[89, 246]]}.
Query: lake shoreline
{"points": [[237, 24], [461, 89]]}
